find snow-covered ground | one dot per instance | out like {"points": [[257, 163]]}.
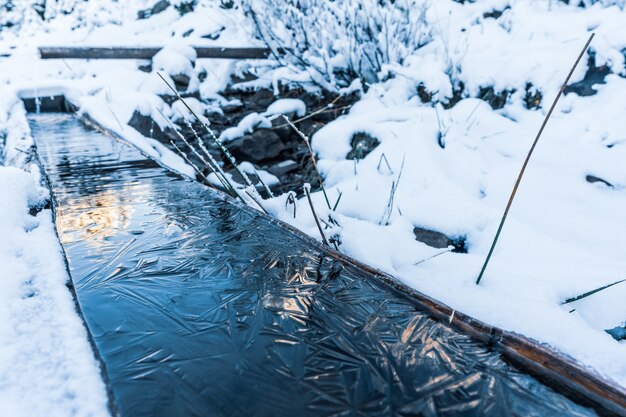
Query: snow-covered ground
{"points": [[47, 367], [564, 235]]}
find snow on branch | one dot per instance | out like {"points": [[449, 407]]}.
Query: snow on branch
{"points": [[339, 41]]}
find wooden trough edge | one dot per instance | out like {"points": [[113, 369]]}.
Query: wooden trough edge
{"points": [[75, 52], [554, 369]]}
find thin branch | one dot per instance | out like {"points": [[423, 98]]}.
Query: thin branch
{"points": [[308, 144], [226, 152], [324, 109], [530, 152], [592, 292], [317, 221], [269, 192], [227, 185], [380, 161], [291, 199], [394, 187], [258, 203], [450, 249]]}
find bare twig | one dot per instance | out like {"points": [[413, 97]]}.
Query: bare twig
{"points": [[592, 292], [317, 221], [291, 199], [258, 203], [450, 249], [269, 192], [215, 169], [226, 152], [308, 144], [392, 194], [327, 108], [380, 161], [530, 152], [194, 166], [337, 202]]}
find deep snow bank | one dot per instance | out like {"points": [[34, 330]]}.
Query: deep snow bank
{"points": [[47, 367]]}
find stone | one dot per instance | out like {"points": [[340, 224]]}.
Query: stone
{"points": [[283, 167], [282, 129], [362, 144], [260, 100], [181, 81], [159, 7], [592, 179], [149, 128], [438, 240], [145, 67], [262, 145]]}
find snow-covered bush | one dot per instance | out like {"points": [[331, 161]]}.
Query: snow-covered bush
{"points": [[16, 14], [339, 41]]}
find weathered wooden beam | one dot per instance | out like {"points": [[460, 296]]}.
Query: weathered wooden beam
{"points": [[70, 52]]}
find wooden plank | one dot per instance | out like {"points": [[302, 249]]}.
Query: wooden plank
{"points": [[68, 52]]}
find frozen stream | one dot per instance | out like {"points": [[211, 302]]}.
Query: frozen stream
{"points": [[202, 307]]}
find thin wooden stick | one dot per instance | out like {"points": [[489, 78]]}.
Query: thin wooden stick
{"points": [[532, 148], [317, 221], [592, 292], [258, 203], [434, 256], [225, 151], [308, 144]]}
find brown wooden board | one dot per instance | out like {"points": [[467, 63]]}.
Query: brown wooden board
{"points": [[71, 52]]}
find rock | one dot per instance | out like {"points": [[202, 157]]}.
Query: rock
{"points": [[438, 240], [156, 9], [432, 238], [362, 144], [214, 35], [309, 127], [282, 129], [181, 81], [618, 333], [592, 179], [424, 95], [149, 128], [496, 100], [595, 75], [262, 145], [260, 100], [231, 106], [532, 97], [283, 167], [145, 68]]}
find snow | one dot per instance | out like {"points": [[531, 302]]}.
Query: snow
{"points": [[563, 237], [267, 178], [247, 125], [177, 61], [286, 106], [46, 363], [181, 112]]}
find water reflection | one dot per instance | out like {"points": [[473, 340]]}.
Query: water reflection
{"points": [[95, 217]]}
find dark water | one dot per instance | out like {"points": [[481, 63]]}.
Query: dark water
{"points": [[201, 307]]}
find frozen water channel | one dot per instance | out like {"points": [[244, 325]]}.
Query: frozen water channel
{"points": [[200, 306]]}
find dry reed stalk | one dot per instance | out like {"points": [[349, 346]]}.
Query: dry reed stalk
{"points": [[530, 152]]}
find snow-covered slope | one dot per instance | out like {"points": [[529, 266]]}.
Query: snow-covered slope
{"points": [[47, 367]]}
